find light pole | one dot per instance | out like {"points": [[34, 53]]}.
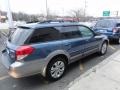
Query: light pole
{"points": [[0, 16], [117, 13], [85, 8], [46, 9], [9, 15]]}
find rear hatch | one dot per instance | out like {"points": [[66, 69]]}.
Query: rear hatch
{"points": [[104, 27], [17, 39], [105, 31]]}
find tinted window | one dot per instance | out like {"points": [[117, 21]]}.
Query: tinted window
{"points": [[104, 24], [20, 36], [118, 25], [69, 32], [44, 34], [86, 32]]}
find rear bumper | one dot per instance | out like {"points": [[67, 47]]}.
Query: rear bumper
{"points": [[24, 69], [19, 70], [16, 70], [113, 37]]}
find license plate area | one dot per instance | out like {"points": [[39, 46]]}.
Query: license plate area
{"points": [[6, 59]]}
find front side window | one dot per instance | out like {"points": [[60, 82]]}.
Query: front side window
{"points": [[69, 32], [86, 32], [44, 34]]}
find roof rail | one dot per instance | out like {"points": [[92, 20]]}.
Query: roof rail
{"points": [[55, 21]]}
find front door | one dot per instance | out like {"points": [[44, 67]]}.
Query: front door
{"points": [[91, 42], [72, 41]]}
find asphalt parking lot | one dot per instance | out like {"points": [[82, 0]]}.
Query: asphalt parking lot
{"points": [[37, 82]]}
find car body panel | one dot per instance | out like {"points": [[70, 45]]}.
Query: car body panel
{"points": [[75, 48], [92, 45]]}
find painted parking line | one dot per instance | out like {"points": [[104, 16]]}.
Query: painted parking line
{"points": [[112, 47], [81, 67], [4, 77]]}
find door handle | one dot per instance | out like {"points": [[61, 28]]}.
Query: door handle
{"points": [[87, 40]]}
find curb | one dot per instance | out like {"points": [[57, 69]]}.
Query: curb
{"points": [[94, 69]]}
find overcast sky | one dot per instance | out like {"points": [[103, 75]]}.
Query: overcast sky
{"points": [[62, 7]]}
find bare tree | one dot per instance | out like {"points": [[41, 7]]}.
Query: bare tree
{"points": [[25, 17], [78, 14]]}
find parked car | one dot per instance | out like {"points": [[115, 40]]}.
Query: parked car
{"points": [[110, 28], [89, 24], [48, 48]]}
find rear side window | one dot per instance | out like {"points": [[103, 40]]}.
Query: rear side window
{"points": [[69, 32], [44, 34], [104, 24], [20, 36]]}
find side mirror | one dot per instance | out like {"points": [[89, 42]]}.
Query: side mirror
{"points": [[92, 27]]}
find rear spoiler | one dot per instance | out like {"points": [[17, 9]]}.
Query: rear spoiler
{"points": [[24, 27]]}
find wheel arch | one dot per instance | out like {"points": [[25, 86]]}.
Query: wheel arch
{"points": [[55, 54]]}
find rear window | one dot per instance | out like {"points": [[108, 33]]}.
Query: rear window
{"points": [[20, 36], [104, 24], [118, 25]]}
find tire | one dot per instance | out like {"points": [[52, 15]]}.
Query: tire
{"points": [[118, 41], [103, 49], [56, 69]]}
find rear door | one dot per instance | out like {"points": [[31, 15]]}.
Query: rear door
{"points": [[45, 41], [91, 41]]}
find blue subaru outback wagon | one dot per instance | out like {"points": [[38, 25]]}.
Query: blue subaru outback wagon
{"points": [[47, 48], [110, 28]]}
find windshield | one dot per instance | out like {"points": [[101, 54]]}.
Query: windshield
{"points": [[20, 36]]}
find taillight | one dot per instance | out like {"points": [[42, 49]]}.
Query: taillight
{"points": [[23, 51], [12, 54], [115, 30]]}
